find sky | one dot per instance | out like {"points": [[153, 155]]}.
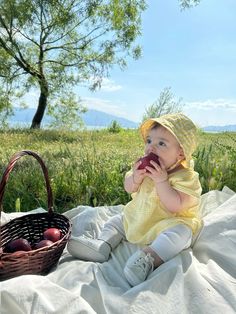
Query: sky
{"points": [[192, 51]]}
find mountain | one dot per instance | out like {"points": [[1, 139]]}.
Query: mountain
{"points": [[100, 118], [223, 128], [91, 118], [23, 117], [96, 119]]}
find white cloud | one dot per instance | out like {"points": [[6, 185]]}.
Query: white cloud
{"points": [[212, 112], [226, 104], [110, 85], [104, 105], [107, 85]]}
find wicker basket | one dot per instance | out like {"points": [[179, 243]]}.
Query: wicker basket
{"points": [[31, 227]]}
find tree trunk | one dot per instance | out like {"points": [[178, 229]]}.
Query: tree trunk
{"points": [[42, 104]]}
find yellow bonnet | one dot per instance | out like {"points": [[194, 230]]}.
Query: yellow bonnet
{"points": [[181, 127]]}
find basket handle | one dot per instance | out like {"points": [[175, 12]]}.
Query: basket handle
{"points": [[9, 168]]}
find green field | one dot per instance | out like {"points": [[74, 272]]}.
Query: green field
{"points": [[88, 167]]}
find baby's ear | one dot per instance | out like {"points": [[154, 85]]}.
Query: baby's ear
{"points": [[181, 153]]}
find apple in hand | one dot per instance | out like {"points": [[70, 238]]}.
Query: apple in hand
{"points": [[52, 234], [42, 243], [146, 160], [18, 245]]}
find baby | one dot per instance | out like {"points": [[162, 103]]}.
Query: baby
{"points": [[163, 214]]}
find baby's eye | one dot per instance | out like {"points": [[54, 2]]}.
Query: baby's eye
{"points": [[149, 141], [161, 143]]}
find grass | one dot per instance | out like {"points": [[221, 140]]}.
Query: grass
{"points": [[88, 167]]}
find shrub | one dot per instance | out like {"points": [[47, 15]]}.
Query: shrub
{"points": [[114, 127]]}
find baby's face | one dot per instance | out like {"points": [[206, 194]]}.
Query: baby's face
{"points": [[162, 143]]}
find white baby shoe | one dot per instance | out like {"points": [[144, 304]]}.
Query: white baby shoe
{"points": [[138, 267], [89, 249]]}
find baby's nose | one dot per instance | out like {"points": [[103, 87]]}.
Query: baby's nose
{"points": [[152, 149]]}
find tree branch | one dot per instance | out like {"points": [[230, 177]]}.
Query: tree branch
{"points": [[20, 60]]}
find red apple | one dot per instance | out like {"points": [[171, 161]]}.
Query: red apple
{"points": [[43, 243], [146, 160], [18, 245], [52, 234]]}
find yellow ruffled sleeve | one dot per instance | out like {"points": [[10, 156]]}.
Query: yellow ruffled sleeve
{"points": [[186, 181]]}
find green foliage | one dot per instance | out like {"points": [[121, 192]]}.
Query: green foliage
{"points": [[88, 167], [114, 127], [186, 4], [57, 44], [166, 103]]}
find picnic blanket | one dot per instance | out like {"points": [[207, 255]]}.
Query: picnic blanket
{"points": [[201, 279]]}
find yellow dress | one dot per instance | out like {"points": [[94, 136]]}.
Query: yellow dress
{"points": [[145, 216]]}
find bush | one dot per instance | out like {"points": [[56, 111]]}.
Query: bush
{"points": [[114, 127]]}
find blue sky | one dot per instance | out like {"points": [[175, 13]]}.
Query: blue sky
{"points": [[191, 51]]}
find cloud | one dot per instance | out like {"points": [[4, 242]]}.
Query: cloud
{"points": [[110, 85], [107, 85], [211, 104], [212, 112], [104, 105]]}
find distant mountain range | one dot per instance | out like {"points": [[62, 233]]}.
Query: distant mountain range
{"points": [[91, 118], [97, 119], [223, 128], [100, 118]]}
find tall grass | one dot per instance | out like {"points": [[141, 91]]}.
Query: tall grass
{"points": [[88, 168], [216, 162]]}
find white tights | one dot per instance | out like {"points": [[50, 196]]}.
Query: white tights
{"points": [[166, 245]]}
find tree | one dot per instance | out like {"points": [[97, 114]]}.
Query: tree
{"points": [[57, 44], [166, 103]]}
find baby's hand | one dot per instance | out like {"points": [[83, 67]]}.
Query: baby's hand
{"points": [[138, 174], [158, 173]]}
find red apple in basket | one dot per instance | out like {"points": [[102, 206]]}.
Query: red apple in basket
{"points": [[52, 234], [18, 245], [42, 243], [146, 160]]}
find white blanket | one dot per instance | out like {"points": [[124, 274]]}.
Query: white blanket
{"points": [[201, 279]]}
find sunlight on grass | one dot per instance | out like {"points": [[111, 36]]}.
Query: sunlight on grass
{"points": [[88, 168]]}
